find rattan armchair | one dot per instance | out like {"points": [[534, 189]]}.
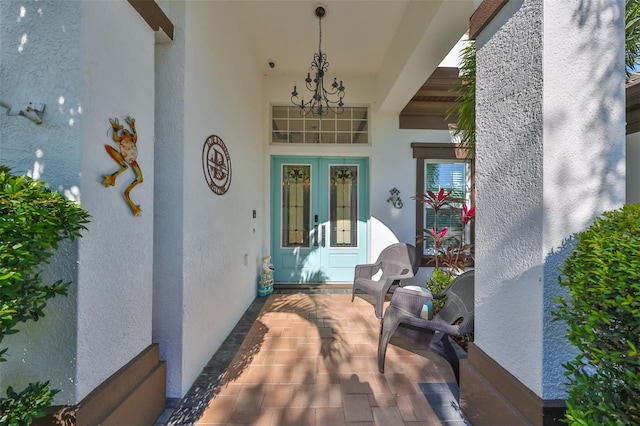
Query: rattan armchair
{"points": [[454, 319], [397, 262]]}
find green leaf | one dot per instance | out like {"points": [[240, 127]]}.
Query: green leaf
{"points": [[602, 314], [33, 222]]}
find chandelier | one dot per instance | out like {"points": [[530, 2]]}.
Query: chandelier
{"points": [[323, 99]]}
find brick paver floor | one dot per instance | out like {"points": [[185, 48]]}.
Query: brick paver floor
{"points": [[311, 359]]}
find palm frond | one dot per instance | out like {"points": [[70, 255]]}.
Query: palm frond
{"points": [[464, 107], [632, 35]]}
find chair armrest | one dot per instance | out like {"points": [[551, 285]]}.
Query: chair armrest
{"points": [[409, 300], [437, 296], [367, 270], [413, 319], [408, 274]]}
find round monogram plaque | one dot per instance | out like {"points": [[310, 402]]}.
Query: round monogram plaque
{"points": [[216, 164]]}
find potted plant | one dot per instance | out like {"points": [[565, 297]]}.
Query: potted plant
{"points": [[452, 253]]}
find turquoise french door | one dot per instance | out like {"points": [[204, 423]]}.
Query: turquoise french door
{"points": [[319, 212]]}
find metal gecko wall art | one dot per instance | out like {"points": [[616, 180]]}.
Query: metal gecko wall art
{"points": [[126, 155]]}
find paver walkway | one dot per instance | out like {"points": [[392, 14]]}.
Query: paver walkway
{"points": [[311, 359]]}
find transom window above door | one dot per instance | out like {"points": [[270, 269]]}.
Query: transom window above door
{"points": [[349, 128]]}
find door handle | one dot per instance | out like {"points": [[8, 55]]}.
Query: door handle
{"points": [[323, 232], [315, 235]]}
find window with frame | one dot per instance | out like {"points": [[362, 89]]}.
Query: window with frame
{"points": [[443, 166], [288, 126]]}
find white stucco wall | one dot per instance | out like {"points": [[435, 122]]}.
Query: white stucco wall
{"points": [[68, 56], [116, 256], [508, 181], [392, 165], [550, 157], [222, 97], [169, 212], [633, 171], [202, 295], [44, 350]]}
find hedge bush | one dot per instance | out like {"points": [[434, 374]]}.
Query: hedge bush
{"points": [[33, 221], [602, 312]]}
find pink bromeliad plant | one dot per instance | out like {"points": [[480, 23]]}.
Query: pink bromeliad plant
{"points": [[451, 252]]}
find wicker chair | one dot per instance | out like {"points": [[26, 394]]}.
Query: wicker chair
{"points": [[454, 319], [397, 262]]}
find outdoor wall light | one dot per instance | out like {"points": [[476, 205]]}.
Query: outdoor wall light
{"points": [[395, 198]]}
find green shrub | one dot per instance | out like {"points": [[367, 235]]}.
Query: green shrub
{"points": [[438, 281], [33, 221], [602, 312], [21, 408]]}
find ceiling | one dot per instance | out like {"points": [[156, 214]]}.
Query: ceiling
{"points": [[355, 34], [399, 43]]}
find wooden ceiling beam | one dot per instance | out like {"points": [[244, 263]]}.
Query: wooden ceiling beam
{"points": [[153, 16], [433, 122], [426, 107], [443, 93]]}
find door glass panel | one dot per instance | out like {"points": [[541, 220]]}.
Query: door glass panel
{"points": [[296, 204], [343, 206]]}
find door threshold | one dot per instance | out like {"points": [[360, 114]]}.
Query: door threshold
{"points": [[313, 286]]}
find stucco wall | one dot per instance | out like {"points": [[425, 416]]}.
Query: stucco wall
{"points": [[222, 241], [509, 200], [116, 256], [201, 295], [29, 31], [68, 56], [169, 199], [550, 157]]}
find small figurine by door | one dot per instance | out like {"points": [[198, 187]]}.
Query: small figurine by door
{"points": [[265, 282]]}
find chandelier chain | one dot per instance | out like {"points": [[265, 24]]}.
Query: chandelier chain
{"points": [[320, 34]]}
